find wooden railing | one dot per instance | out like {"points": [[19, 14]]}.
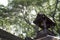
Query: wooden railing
{"points": [[49, 38]]}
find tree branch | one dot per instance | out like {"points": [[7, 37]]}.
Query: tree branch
{"points": [[55, 11]]}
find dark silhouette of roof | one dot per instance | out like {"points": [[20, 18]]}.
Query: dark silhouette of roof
{"points": [[42, 17]]}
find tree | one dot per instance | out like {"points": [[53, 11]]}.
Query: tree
{"points": [[19, 15]]}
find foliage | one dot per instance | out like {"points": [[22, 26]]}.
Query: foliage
{"points": [[17, 17]]}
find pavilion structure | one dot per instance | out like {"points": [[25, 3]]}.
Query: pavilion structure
{"points": [[43, 22]]}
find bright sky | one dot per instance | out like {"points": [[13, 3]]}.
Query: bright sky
{"points": [[4, 2]]}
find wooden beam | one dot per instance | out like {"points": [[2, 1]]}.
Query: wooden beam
{"points": [[8, 36]]}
